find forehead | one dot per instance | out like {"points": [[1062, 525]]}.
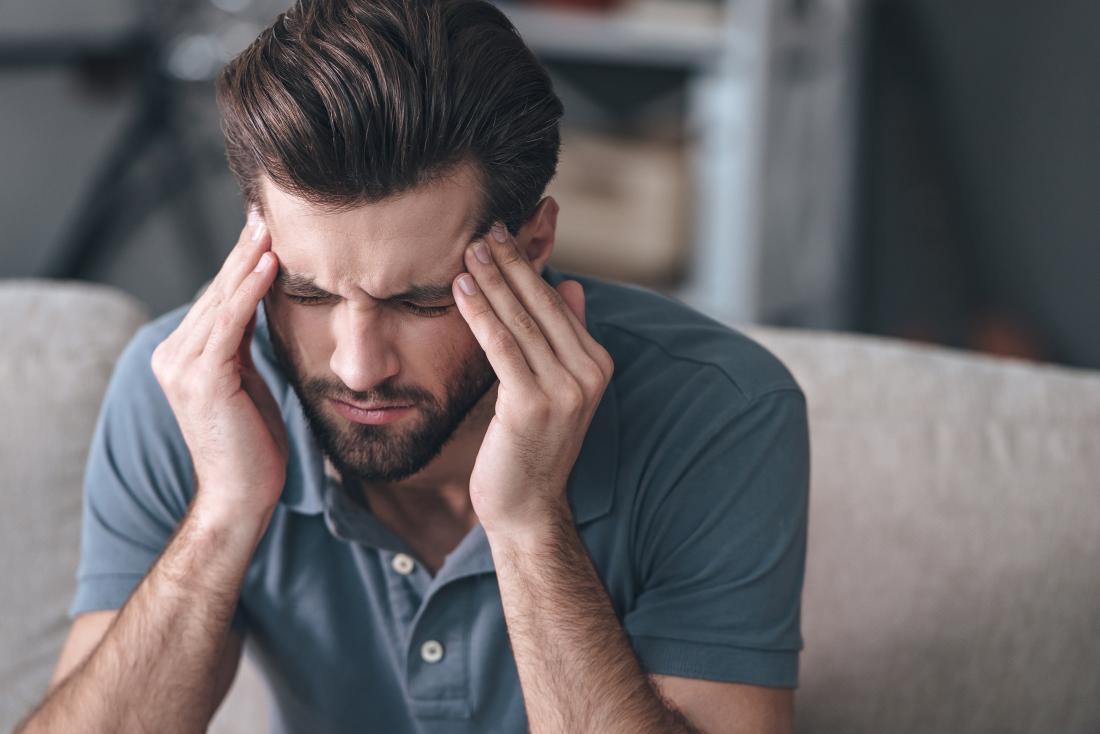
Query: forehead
{"points": [[378, 248]]}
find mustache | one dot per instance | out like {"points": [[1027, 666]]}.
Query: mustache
{"points": [[379, 394]]}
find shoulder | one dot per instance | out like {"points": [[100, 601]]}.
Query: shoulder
{"points": [[154, 332], [134, 364], [697, 413], [138, 440], [662, 347]]}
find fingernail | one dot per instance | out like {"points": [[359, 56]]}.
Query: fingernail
{"points": [[265, 260], [481, 252], [258, 232], [253, 215], [499, 233], [467, 284]]}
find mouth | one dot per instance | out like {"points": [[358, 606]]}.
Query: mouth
{"points": [[377, 414]]}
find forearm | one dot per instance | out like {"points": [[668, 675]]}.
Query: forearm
{"points": [[576, 666], [156, 668]]}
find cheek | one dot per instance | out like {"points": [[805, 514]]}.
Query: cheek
{"points": [[436, 349], [307, 331], [437, 341]]}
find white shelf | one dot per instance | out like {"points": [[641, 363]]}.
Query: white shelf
{"points": [[619, 36], [726, 47]]}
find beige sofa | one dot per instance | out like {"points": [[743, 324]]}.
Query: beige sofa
{"points": [[953, 576]]}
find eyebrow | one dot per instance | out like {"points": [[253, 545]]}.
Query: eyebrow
{"points": [[303, 285]]}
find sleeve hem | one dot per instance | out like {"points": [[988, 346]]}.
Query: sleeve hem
{"points": [[103, 592], [772, 668], [109, 592]]}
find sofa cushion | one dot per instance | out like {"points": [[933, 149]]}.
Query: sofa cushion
{"points": [[953, 562], [59, 343]]}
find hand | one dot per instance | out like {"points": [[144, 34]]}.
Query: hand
{"points": [[227, 414], [552, 375]]}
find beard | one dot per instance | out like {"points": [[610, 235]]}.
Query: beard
{"points": [[391, 452]]}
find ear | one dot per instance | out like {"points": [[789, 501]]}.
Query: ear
{"points": [[536, 235]]}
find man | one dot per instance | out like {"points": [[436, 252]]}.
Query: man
{"points": [[435, 485]]}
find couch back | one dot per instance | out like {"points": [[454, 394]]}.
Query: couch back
{"points": [[58, 344], [953, 567], [953, 572]]}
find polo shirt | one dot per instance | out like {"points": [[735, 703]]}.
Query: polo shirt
{"points": [[690, 494]]}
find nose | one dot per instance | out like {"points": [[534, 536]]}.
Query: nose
{"points": [[364, 355]]}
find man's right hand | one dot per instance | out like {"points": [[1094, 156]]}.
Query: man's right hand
{"points": [[228, 416]]}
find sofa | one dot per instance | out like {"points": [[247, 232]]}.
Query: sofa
{"points": [[953, 568]]}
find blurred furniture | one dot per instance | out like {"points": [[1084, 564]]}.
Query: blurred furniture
{"points": [[623, 208], [951, 581], [759, 95], [160, 156]]}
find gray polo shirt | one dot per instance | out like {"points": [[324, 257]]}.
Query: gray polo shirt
{"points": [[690, 493]]}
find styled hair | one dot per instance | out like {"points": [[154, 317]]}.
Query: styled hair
{"points": [[349, 102]]}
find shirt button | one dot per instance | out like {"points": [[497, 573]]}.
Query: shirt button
{"points": [[431, 651], [403, 564]]}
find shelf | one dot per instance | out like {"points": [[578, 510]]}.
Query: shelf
{"points": [[620, 36]]}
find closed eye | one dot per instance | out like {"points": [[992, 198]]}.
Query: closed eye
{"points": [[426, 311], [413, 308], [307, 300]]}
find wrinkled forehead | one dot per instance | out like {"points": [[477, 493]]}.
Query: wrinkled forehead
{"points": [[379, 248]]}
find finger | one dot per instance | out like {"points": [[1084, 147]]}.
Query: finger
{"points": [[573, 293], [231, 322], [197, 325], [245, 351], [566, 335], [231, 268], [524, 327], [528, 283], [500, 345], [250, 243]]}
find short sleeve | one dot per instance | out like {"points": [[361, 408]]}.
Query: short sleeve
{"points": [[137, 480], [721, 550]]}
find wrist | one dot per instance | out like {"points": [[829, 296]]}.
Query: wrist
{"points": [[228, 522], [538, 532]]}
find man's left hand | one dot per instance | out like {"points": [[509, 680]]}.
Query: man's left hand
{"points": [[552, 376]]}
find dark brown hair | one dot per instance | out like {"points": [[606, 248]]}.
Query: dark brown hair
{"points": [[349, 102]]}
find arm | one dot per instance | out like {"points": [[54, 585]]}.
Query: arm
{"points": [[736, 708], [88, 630], [576, 666], [165, 661]]}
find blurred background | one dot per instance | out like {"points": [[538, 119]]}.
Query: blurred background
{"points": [[916, 168]]}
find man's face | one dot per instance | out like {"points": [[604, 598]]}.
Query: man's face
{"points": [[361, 312]]}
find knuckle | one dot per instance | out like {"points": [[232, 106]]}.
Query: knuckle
{"points": [[493, 279], [157, 360], [524, 323], [502, 341], [162, 363], [549, 297], [481, 309], [224, 320], [506, 253], [570, 396], [607, 364], [592, 375]]}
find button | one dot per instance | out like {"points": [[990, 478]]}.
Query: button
{"points": [[431, 651], [403, 564]]}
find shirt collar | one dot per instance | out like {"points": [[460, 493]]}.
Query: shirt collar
{"points": [[590, 486]]}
